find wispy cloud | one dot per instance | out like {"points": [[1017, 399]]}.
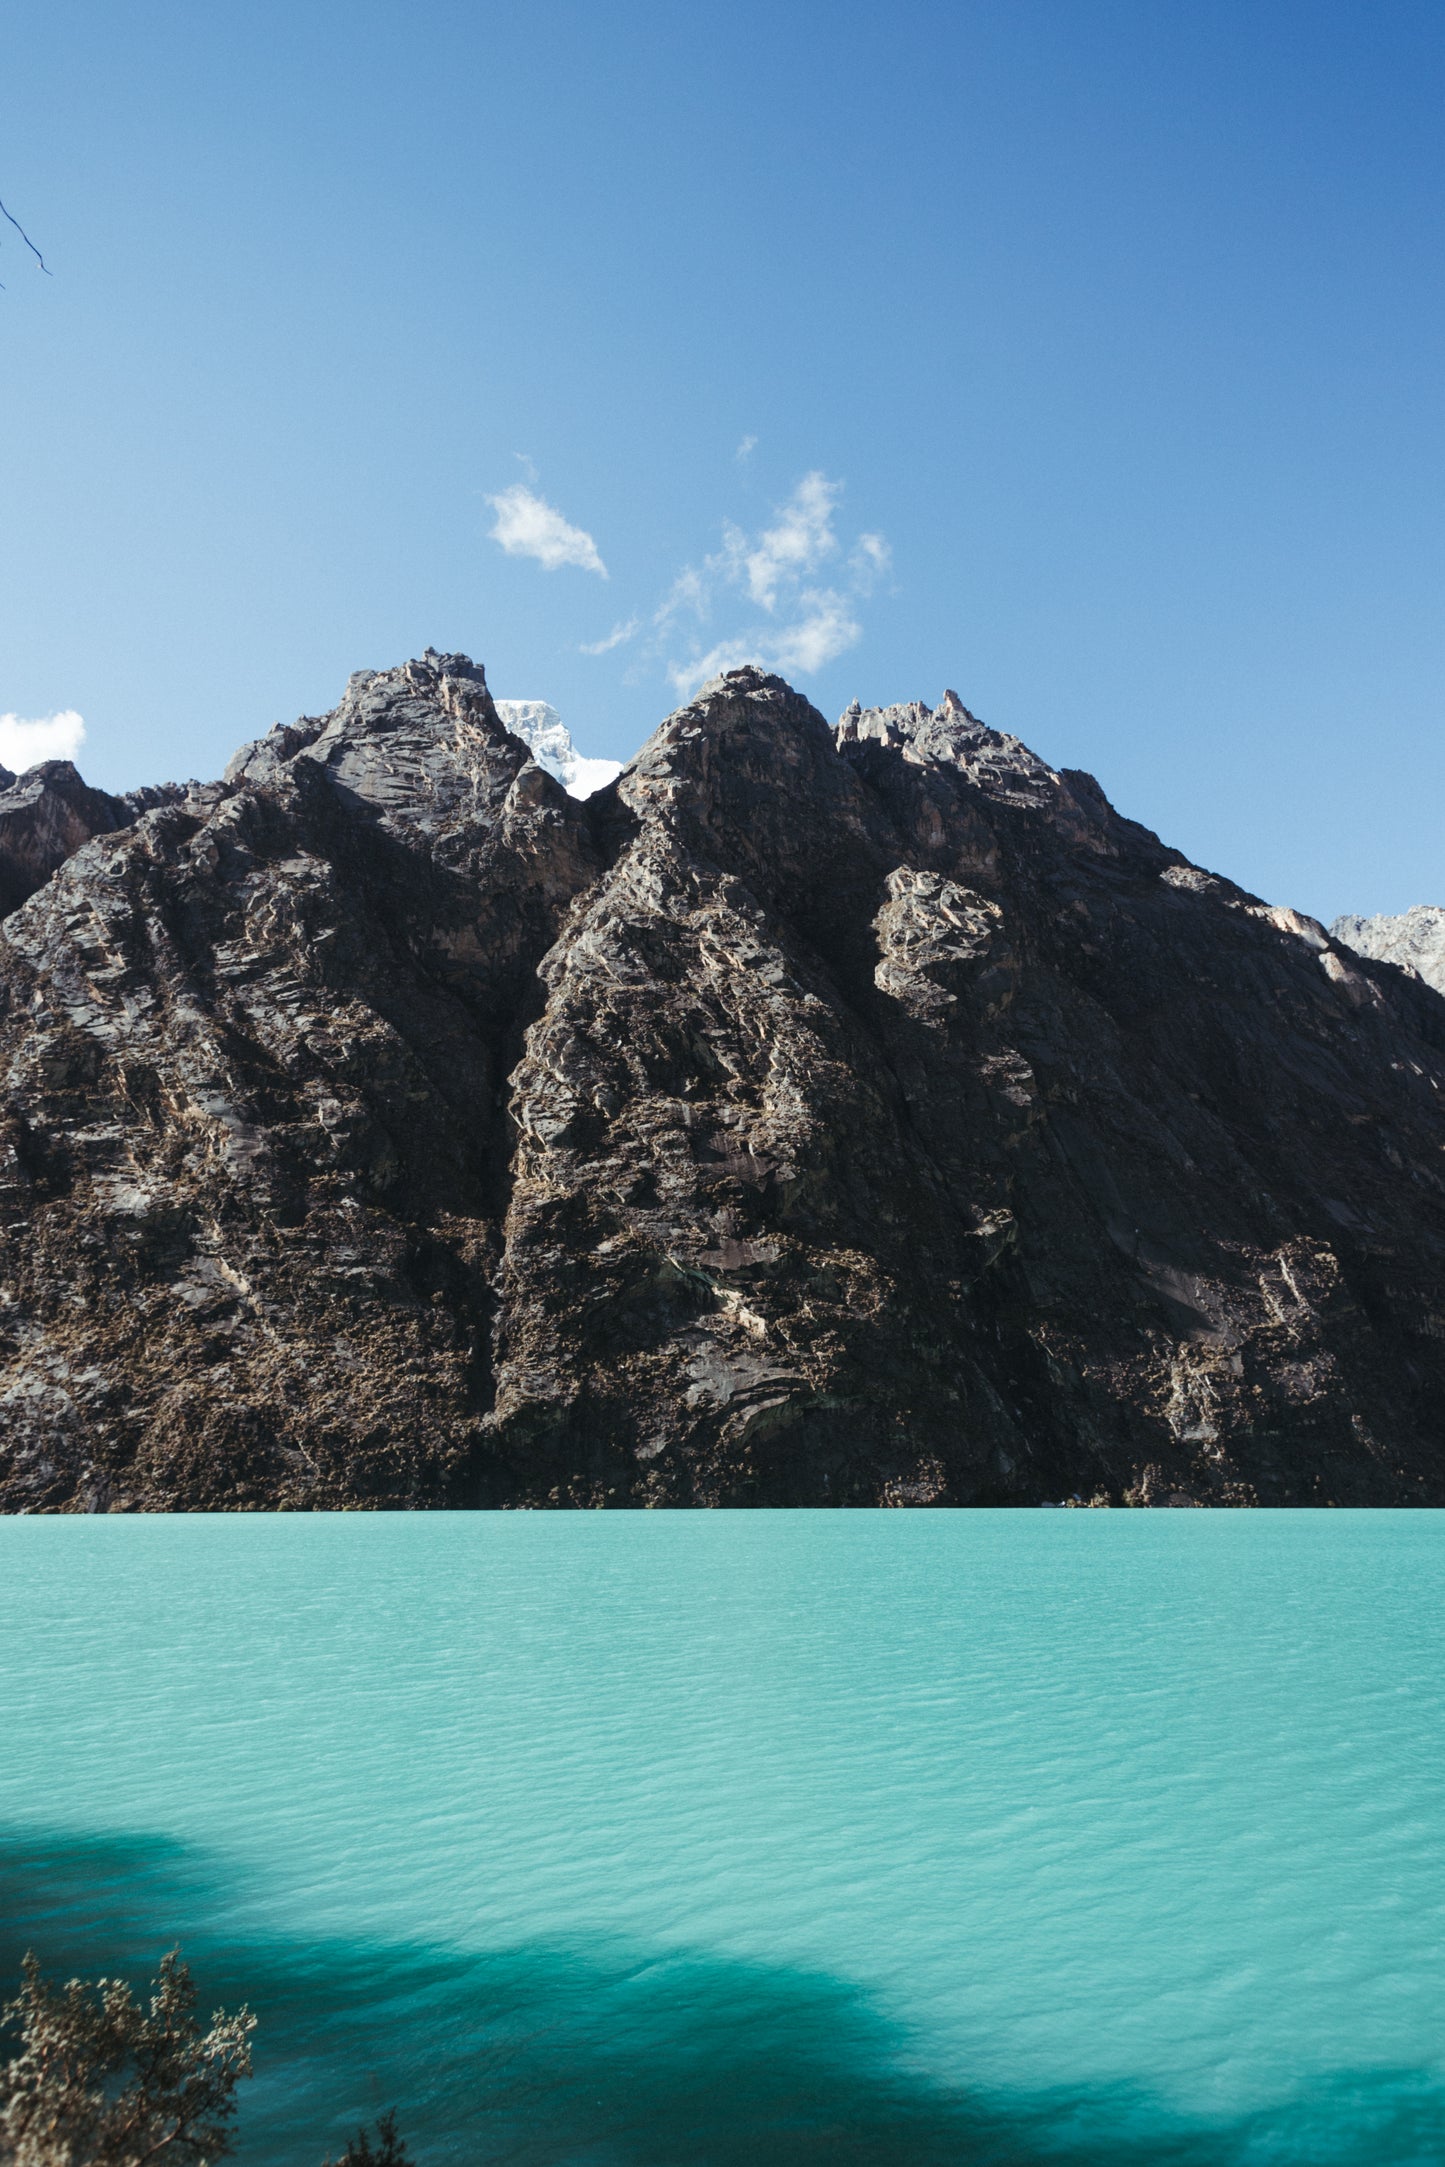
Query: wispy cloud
{"points": [[871, 561], [47, 737], [805, 623], [826, 628], [617, 637], [745, 450], [800, 541], [528, 526]]}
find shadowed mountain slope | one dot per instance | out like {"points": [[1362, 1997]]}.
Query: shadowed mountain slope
{"points": [[811, 1116]]}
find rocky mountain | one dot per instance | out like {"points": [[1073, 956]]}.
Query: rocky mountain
{"points": [[47, 814], [542, 729], [1415, 941], [811, 1116]]}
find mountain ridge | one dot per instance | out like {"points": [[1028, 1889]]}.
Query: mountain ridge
{"points": [[1414, 940], [858, 1115]]}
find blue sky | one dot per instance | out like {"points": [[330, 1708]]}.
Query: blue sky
{"points": [[1083, 355]]}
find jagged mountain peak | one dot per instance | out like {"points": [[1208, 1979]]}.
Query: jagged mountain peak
{"points": [[421, 744], [749, 771], [950, 735], [869, 1115], [746, 703]]}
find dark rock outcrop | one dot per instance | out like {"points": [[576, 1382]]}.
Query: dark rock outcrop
{"points": [[809, 1117], [45, 816]]}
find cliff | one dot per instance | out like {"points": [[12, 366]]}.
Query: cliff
{"points": [[808, 1117]]}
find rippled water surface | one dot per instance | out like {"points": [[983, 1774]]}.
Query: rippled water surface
{"points": [[794, 1837]]}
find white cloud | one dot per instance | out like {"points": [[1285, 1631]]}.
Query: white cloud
{"points": [[871, 561], [689, 591], [807, 624], [826, 630], [49, 737], [797, 545], [727, 655], [617, 637], [745, 450], [528, 526]]}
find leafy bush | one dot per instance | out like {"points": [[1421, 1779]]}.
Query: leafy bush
{"points": [[100, 2081]]}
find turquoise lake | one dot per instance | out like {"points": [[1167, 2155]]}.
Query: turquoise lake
{"points": [[610, 1839]]}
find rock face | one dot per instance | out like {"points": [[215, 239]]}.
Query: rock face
{"points": [[1415, 941], [45, 816], [47, 813], [810, 1117]]}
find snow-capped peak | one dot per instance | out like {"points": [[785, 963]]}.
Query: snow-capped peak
{"points": [[539, 725]]}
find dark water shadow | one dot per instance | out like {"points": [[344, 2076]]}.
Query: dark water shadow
{"points": [[543, 2056]]}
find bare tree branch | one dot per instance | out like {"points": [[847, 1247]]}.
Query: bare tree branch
{"points": [[27, 240]]}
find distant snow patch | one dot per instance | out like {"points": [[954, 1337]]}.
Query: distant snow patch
{"points": [[539, 725]]}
